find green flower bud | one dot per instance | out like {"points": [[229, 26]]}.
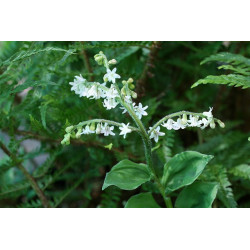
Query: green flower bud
{"points": [[212, 124], [113, 61], [184, 119], [133, 94], [92, 126], [123, 91], [131, 86], [124, 82], [66, 140], [98, 129], [105, 79], [221, 124], [130, 80], [69, 129], [78, 133]]}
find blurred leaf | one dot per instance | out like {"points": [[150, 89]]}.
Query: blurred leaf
{"points": [[197, 195]]}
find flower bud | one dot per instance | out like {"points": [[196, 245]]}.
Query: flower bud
{"points": [[221, 124], [133, 94], [105, 79], [78, 133], [131, 86], [98, 129], [92, 126], [99, 59], [212, 124], [123, 91], [124, 82], [113, 61], [130, 80], [69, 129], [184, 119], [66, 140]]}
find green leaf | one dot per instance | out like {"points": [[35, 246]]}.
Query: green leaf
{"points": [[143, 200], [43, 110], [127, 175], [183, 169], [197, 195]]}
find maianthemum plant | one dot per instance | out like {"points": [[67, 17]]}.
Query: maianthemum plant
{"points": [[181, 171]]}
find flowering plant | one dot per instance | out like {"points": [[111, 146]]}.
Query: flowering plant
{"points": [[180, 171]]}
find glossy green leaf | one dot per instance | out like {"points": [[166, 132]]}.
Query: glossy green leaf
{"points": [[143, 200], [183, 169], [197, 195], [127, 175]]}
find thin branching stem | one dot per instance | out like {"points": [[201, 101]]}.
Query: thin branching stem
{"points": [[29, 177]]}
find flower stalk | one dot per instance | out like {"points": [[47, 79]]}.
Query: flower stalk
{"points": [[114, 96]]}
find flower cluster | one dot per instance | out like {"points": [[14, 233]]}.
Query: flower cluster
{"points": [[193, 121], [96, 90], [113, 96], [182, 123]]}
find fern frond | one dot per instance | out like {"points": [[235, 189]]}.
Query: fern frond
{"points": [[225, 192], [110, 198], [26, 54], [242, 171], [227, 58], [231, 80]]}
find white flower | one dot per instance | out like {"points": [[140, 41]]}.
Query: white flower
{"points": [[209, 113], [110, 103], [78, 85], [205, 123], [128, 99], [124, 110], [194, 121], [111, 75], [98, 129], [94, 92], [168, 124], [106, 130], [178, 124], [112, 92], [140, 110], [87, 130], [124, 130], [156, 133]]}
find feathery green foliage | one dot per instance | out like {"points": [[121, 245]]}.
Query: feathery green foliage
{"points": [[238, 64]]}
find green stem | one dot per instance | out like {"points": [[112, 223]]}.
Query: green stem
{"points": [[148, 153]]}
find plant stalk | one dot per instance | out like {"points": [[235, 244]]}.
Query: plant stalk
{"points": [[148, 153]]}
